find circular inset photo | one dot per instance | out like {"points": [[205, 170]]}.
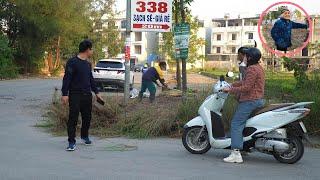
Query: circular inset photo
{"points": [[284, 28]]}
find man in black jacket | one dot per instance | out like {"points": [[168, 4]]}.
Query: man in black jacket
{"points": [[77, 85]]}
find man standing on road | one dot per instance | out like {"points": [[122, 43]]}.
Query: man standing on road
{"points": [[77, 85]]}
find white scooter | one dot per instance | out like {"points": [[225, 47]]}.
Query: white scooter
{"points": [[275, 129]]}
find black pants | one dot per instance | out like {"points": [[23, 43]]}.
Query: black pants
{"points": [[82, 103], [282, 49]]}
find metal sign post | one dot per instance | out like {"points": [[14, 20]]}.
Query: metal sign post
{"points": [[142, 16], [127, 56]]}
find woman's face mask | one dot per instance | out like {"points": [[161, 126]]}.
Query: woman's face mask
{"points": [[244, 62]]}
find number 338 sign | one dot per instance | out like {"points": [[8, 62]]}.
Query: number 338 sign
{"points": [[151, 15]]}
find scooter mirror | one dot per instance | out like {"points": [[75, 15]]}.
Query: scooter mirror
{"points": [[230, 74]]}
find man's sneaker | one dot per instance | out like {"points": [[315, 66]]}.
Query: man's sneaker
{"points": [[86, 141], [235, 157], [71, 147]]}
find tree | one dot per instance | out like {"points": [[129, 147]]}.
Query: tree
{"points": [[36, 26], [39, 26], [315, 47], [167, 48], [195, 43], [300, 70], [73, 26], [45, 30], [104, 32], [7, 68]]}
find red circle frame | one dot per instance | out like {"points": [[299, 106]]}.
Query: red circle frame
{"points": [[292, 52]]}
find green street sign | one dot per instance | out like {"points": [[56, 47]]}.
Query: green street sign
{"points": [[181, 39]]}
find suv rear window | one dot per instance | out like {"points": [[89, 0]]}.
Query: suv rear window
{"points": [[108, 64]]}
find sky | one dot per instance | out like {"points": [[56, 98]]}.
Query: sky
{"points": [[208, 9]]}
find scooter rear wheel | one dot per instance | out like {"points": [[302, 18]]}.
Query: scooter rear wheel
{"points": [[294, 154], [194, 145]]}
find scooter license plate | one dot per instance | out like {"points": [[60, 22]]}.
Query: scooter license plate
{"points": [[303, 127]]}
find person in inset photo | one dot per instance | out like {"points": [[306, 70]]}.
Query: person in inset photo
{"points": [[281, 31]]}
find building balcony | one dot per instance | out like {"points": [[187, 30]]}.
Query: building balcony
{"points": [[218, 43], [222, 57], [227, 29], [234, 29]]}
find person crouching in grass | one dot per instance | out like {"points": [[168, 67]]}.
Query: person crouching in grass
{"points": [[150, 78]]}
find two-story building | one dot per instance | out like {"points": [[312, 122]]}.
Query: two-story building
{"points": [[226, 35]]}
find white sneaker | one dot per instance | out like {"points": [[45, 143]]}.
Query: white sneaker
{"points": [[235, 157]]}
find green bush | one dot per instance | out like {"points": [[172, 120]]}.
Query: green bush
{"points": [[7, 68], [283, 88]]}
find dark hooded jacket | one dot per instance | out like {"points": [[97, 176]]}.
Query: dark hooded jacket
{"points": [[281, 32]]}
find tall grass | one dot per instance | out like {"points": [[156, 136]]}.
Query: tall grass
{"points": [[143, 119], [102, 117], [165, 117]]}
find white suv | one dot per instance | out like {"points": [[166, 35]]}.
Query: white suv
{"points": [[110, 74]]}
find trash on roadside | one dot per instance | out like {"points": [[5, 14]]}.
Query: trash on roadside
{"points": [[134, 93]]}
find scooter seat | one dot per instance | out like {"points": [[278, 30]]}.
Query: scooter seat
{"points": [[270, 107]]}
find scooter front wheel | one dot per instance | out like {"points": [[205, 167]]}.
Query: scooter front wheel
{"points": [[194, 144]]}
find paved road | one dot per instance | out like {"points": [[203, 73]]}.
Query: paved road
{"points": [[27, 153]]}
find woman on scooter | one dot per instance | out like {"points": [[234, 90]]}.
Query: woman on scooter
{"points": [[251, 90]]}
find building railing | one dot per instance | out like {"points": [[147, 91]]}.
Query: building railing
{"points": [[221, 57]]}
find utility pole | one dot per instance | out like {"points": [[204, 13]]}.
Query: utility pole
{"points": [[178, 72], [127, 58], [184, 60]]}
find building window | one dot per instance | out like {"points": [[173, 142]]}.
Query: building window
{"points": [[233, 50], [138, 36], [137, 49], [218, 50], [218, 37], [123, 36], [250, 36], [234, 37], [305, 52], [123, 24]]}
